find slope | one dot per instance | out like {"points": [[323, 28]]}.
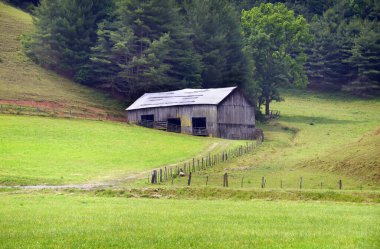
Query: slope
{"points": [[23, 83]]}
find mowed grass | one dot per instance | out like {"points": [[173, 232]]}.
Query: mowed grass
{"points": [[21, 79], [62, 221], [35, 150]]}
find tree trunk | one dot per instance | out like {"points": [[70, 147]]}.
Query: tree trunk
{"points": [[267, 100]]}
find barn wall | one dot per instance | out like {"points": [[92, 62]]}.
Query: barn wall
{"points": [[236, 117], [185, 113]]}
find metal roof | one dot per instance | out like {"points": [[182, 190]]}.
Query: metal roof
{"points": [[211, 96]]}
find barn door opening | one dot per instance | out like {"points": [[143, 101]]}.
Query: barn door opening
{"points": [[174, 125], [199, 126], [147, 120]]}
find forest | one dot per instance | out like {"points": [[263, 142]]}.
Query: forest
{"points": [[129, 47]]}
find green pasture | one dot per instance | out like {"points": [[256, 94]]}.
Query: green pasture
{"points": [[320, 137], [35, 150], [80, 221]]}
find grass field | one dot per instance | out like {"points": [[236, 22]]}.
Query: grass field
{"points": [[320, 137], [22, 80], [35, 150], [62, 221]]}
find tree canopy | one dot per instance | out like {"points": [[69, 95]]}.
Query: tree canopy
{"points": [[275, 39]]}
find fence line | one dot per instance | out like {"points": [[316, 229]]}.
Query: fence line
{"points": [[204, 162]]}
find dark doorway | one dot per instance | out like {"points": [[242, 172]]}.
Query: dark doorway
{"points": [[147, 120], [199, 126], [174, 125]]}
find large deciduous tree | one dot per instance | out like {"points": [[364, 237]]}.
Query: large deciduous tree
{"points": [[275, 39]]}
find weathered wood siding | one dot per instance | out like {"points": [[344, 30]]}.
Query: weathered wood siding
{"points": [[185, 113], [236, 117]]}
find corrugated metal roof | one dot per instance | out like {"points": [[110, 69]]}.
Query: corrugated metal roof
{"points": [[211, 96]]}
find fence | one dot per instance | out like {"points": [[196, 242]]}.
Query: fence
{"points": [[66, 112], [200, 164], [249, 181]]}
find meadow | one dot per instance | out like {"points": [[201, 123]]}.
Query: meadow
{"points": [[320, 137], [36, 150], [61, 220]]}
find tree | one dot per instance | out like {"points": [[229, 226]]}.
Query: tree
{"points": [[217, 39], [146, 47], [65, 32], [275, 39], [366, 57]]}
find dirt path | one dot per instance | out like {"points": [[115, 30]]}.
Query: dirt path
{"points": [[223, 144]]}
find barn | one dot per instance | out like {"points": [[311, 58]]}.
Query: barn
{"points": [[218, 112]]}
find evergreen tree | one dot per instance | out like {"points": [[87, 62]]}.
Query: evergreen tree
{"points": [[65, 32], [146, 48], [217, 39]]}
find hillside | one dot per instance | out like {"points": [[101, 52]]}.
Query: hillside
{"points": [[23, 83], [36, 150]]}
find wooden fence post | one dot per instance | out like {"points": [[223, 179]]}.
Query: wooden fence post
{"points": [[154, 177], [281, 183], [242, 181], [206, 180], [321, 185], [300, 182], [199, 169], [171, 172], [160, 175], [189, 180], [262, 182], [340, 184], [225, 180]]}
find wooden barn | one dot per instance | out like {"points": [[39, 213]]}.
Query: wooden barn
{"points": [[219, 112]]}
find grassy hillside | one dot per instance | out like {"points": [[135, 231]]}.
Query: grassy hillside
{"points": [[322, 138], [35, 150], [25, 84], [61, 221]]}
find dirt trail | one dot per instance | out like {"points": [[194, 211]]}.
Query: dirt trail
{"points": [[131, 177]]}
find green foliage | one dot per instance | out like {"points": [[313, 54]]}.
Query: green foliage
{"points": [[218, 40], [275, 39], [65, 32], [146, 47]]}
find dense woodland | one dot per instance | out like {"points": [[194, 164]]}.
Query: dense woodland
{"points": [[129, 46]]}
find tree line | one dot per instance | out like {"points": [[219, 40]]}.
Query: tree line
{"points": [[130, 47]]}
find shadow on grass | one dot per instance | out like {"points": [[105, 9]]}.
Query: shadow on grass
{"points": [[315, 120]]}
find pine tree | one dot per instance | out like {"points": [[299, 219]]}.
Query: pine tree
{"points": [[65, 33], [145, 48], [217, 39]]}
